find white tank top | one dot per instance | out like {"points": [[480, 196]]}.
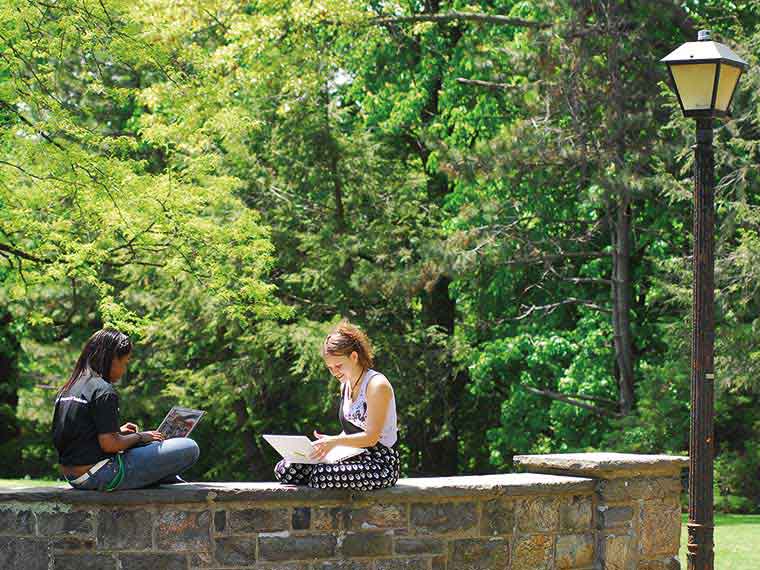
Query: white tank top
{"points": [[356, 412]]}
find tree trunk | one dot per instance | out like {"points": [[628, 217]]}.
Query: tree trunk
{"points": [[9, 385], [621, 302], [620, 221]]}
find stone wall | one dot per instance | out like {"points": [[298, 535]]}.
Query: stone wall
{"points": [[574, 512]]}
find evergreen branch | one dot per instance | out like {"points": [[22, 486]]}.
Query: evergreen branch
{"points": [[550, 258], [494, 85], [550, 308], [572, 401], [461, 16]]}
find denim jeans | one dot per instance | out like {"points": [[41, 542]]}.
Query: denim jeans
{"points": [[145, 465]]}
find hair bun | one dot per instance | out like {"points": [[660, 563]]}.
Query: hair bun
{"points": [[346, 338]]}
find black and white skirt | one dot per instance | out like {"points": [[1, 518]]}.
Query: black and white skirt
{"points": [[377, 468]]}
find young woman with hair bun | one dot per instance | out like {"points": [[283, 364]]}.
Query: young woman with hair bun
{"points": [[367, 415]]}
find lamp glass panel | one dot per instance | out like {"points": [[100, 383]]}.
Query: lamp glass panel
{"points": [[694, 82], [729, 75]]}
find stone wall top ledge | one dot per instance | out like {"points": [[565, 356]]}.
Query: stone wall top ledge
{"points": [[604, 465], [516, 484]]}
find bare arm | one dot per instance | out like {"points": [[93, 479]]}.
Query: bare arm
{"points": [[379, 394], [115, 442]]}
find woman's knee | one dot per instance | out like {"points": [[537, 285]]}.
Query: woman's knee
{"points": [[186, 449]]}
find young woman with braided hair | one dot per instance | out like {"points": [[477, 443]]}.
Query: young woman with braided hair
{"points": [[367, 415]]}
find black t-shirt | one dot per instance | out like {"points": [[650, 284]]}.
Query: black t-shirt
{"points": [[89, 407]]}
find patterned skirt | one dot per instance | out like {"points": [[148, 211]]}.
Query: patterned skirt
{"points": [[376, 468]]}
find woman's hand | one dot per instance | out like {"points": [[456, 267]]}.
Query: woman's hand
{"points": [[323, 445], [150, 436], [129, 427]]}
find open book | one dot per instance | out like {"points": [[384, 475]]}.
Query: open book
{"points": [[298, 449]]}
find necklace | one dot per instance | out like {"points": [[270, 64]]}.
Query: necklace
{"points": [[355, 384]]}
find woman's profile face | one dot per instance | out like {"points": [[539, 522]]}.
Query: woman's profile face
{"points": [[119, 367], [342, 366]]}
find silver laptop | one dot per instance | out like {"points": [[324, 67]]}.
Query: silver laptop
{"points": [[179, 422]]}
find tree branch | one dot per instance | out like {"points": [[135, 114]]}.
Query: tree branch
{"points": [[494, 85], [570, 400], [19, 254], [554, 306], [461, 16], [550, 258]]}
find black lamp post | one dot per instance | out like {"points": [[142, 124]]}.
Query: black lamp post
{"points": [[705, 75]]}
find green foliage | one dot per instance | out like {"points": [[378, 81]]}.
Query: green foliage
{"points": [[225, 180]]}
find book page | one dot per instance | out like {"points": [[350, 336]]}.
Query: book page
{"points": [[298, 449], [294, 448]]}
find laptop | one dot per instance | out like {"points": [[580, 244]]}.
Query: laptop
{"points": [[179, 422]]}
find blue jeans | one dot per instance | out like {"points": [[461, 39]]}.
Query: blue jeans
{"points": [[145, 465]]}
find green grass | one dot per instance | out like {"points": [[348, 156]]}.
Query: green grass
{"points": [[736, 541], [19, 483]]}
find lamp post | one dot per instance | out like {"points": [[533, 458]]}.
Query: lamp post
{"points": [[705, 75]]}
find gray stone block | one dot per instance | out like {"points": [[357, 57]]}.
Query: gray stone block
{"points": [[366, 544], [498, 517], [533, 552], [576, 513], [443, 518], [153, 561], [16, 523], [660, 523], [327, 518], [75, 522], [479, 553], [68, 543], [539, 514], [403, 564], [310, 547], [23, 553], [618, 552], [125, 529], [601, 465], [611, 517], [574, 551], [378, 516], [238, 551], [670, 563], [343, 565], [618, 490], [301, 518], [258, 520], [87, 561], [220, 521], [202, 559], [183, 530], [419, 545]]}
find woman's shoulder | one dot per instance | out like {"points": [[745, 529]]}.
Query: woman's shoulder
{"points": [[378, 380], [99, 386]]}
